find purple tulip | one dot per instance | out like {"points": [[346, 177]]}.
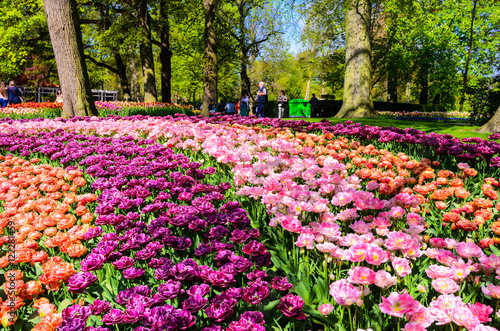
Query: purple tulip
{"points": [[72, 324], [235, 292], [195, 303], [98, 328], [202, 289], [256, 294], [183, 318], [133, 272], [169, 290], [203, 249], [256, 274], [262, 260], [281, 283], [219, 311], [239, 236], [184, 270], [76, 311], [133, 315], [80, 281], [254, 248], [140, 302], [213, 327], [243, 324], [123, 263], [115, 316], [100, 307], [217, 232], [255, 317], [93, 232], [92, 262], [145, 254], [221, 279], [291, 306], [198, 225]]}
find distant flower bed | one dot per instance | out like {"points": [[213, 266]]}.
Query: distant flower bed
{"points": [[31, 110]]}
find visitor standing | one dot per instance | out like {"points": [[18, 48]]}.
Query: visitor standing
{"points": [[230, 108], [314, 102], [15, 94], [4, 95], [59, 97], [282, 99], [261, 99], [222, 106], [244, 105]]}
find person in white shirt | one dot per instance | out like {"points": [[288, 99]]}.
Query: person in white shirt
{"points": [[282, 99], [230, 108]]}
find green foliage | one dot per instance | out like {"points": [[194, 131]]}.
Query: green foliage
{"points": [[24, 35]]}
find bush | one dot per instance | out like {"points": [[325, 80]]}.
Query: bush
{"points": [[330, 108]]}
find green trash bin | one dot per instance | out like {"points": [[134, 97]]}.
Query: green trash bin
{"points": [[299, 108]]}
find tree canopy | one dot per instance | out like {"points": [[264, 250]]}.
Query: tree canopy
{"points": [[419, 48]]}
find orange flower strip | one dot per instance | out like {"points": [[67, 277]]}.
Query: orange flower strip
{"points": [[42, 210]]}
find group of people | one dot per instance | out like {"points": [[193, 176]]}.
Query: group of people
{"points": [[10, 95], [231, 107], [241, 107]]}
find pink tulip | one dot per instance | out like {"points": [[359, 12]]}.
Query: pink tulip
{"points": [[361, 275], [344, 293], [445, 285], [325, 309], [384, 280], [401, 266], [398, 304]]}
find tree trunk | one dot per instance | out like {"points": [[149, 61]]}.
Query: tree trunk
{"points": [[165, 54], [209, 56], [357, 100], [392, 85], [122, 74], [493, 125], [471, 38], [66, 38], [133, 73], [424, 86], [146, 50], [245, 79], [308, 87]]}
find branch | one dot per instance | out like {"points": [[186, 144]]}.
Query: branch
{"points": [[89, 21], [100, 64]]}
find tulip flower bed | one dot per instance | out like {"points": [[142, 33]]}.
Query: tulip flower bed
{"points": [[243, 223], [31, 110], [128, 108]]}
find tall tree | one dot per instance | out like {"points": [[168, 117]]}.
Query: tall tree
{"points": [[466, 72], [146, 52], [64, 28], [357, 100], [107, 30], [493, 125], [165, 53], [210, 56], [252, 24]]}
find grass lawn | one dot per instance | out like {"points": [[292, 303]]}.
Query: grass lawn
{"points": [[459, 130]]}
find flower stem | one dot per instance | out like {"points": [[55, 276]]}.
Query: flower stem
{"points": [[350, 318]]}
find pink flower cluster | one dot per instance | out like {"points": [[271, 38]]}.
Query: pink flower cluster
{"points": [[341, 216]]}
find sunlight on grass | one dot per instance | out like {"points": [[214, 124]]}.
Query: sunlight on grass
{"points": [[459, 130]]}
